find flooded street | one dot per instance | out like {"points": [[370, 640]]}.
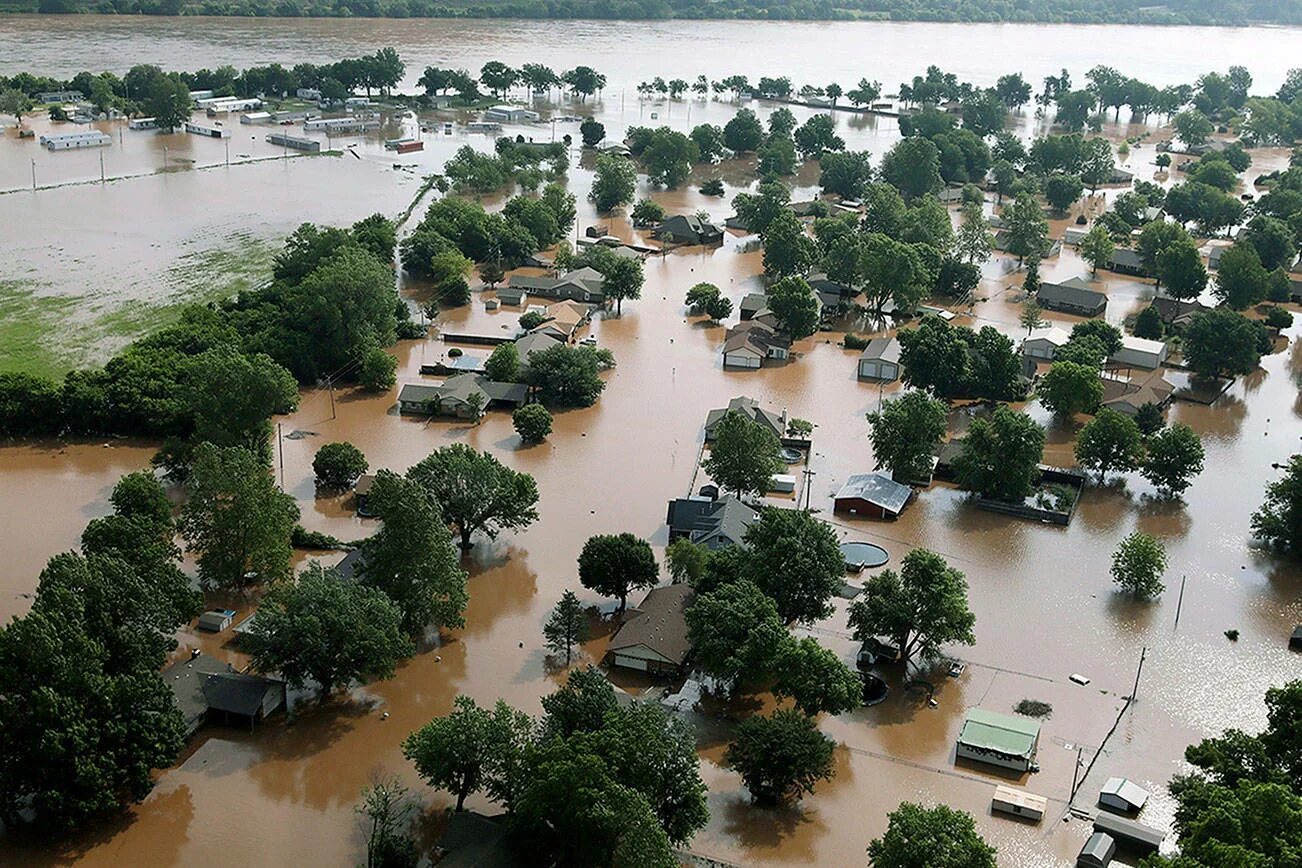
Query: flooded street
{"points": [[1042, 594]]}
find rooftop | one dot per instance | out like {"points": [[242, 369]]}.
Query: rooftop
{"points": [[659, 623], [1002, 733], [878, 489]]}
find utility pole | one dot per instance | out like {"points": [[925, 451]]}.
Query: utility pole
{"points": [[809, 481], [1142, 654], [1075, 770], [228, 153], [101, 167], [280, 442], [1179, 603], [330, 383], [33, 176]]}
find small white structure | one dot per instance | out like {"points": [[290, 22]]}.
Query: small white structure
{"points": [[196, 95], [310, 94], [1019, 803], [510, 114], [229, 104], [1122, 794], [205, 130], [341, 125], [1139, 353], [256, 118], [1044, 343], [142, 124], [70, 141], [483, 127], [880, 360], [1074, 235], [782, 483]]}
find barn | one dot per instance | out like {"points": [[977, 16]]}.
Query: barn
{"points": [[872, 494]]}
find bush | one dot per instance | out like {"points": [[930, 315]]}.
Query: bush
{"points": [[854, 342], [1278, 318], [410, 330], [531, 320], [532, 422], [378, 369], [337, 465], [455, 352], [712, 187], [1033, 708], [1148, 324], [302, 538]]}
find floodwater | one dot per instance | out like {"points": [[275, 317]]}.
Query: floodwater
{"points": [[1042, 594]]}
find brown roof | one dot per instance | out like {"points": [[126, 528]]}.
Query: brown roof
{"points": [[659, 623]]}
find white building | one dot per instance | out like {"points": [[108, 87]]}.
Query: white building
{"points": [[341, 125], [1139, 353], [69, 141], [510, 114], [142, 124], [308, 93], [205, 130], [1043, 344]]}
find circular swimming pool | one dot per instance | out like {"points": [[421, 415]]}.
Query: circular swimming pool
{"points": [[861, 555], [791, 456]]}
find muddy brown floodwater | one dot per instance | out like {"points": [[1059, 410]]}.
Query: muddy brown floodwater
{"points": [[1042, 594]]}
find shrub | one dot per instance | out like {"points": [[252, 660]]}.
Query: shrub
{"points": [[378, 369], [532, 422], [1033, 708], [1278, 318], [337, 465]]}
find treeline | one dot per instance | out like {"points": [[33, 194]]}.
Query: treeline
{"points": [[1041, 11]]}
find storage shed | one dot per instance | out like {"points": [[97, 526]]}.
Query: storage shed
{"points": [[1137, 835], [1019, 803], [1097, 852], [1139, 353], [998, 739], [880, 360], [1121, 794], [216, 620], [1043, 344], [873, 494]]}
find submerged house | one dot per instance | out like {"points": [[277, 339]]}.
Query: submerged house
{"points": [[1128, 397], [1072, 296], [653, 638], [1127, 261], [564, 319], [749, 343], [715, 523], [205, 688], [873, 494], [582, 284], [998, 739], [464, 396], [1123, 795], [880, 360], [1043, 344], [751, 409], [689, 229]]}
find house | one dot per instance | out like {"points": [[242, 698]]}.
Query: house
{"points": [[509, 114], [1019, 803], [1043, 344], [310, 94], [1120, 176], [1004, 238], [535, 341], [689, 229], [749, 343], [1139, 353], [472, 840], [236, 697], [350, 566], [512, 295], [998, 739], [1122, 795], [71, 141], [714, 522], [950, 195], [298, 143], [215, 620], [59, 97], [653, 638], [1176, 313], [1071, 296], [1074, 235], [753, 303], [210, 131], [583, 284], [1127, 397], [1137, 835], [873, 494], [1126, 261], [342, 125], [361, 491], [564, 319], [751, 409], [185, 679], [617, 148], [880, 360], [464, 396], [1097, 852], [1214, 254]]}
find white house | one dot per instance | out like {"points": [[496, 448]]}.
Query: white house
{"points": [[1044, 343], [880, 360], [1139, 353], [1019, 803], [510, 114]]}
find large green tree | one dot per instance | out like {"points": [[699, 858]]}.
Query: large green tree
{"points": [[1070, 388], [470, 749], [1001, 455], [1138, 564], [1174, 457], [614, 183], [795, 306], [1279, 519], [477, 493], [780, 757], [744, 455], [922, 607], [912, 166], [1220, 343], [905, 433], [816, 679], [1110, 442], [613, 565], [736, 632], [795, 559], [938, 837]]}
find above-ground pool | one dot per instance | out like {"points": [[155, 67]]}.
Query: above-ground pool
{"points": [[861, 555], [791, 456]]}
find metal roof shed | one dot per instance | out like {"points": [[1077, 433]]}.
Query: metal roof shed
{"points": [[1120, 794], [998, 739], [1097, 852], [1136, 834]]}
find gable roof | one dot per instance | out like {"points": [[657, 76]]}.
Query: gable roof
{"points": [[714, 524], [749, 408], [1125, 790], [1072, 293], [1002, 733], [236, 693], [1053, 334], [877, 489], [883, 349], [534, 342], [660, 624]]}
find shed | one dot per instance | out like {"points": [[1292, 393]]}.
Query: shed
{"points": [[998, 739], [782, 483], [1074, 235], [1123, 795], [1044, 343], [1139, 353], [872, 494], [1019, 803], [654, 638], [1097, 852], [753, 303], [880, 360], [1128, 831], [215, 620], [237, 697], [1072, 296], [512, 295], [361, 491]]}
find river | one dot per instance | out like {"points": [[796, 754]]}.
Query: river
{"points": [[1042, 595]]}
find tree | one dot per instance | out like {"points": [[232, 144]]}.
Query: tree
{"points": [[647, 212], [584, 81], [498, 77], [1148, 324], [1096, 247], [1192, 126], [1175, 456], [581, 704], [1279, 519], [532, 422], [1031, 318], [1105, 333], [795, 559], [668, 157], [1110, 441], [338, 465], [1097, 165], [816, 679], [777, 157], [468, 750], [377, 372], [140, 495], [1062, 190], [14, 102], [912, 166], [788, 251], [934, 358], [743, 132], [941, 837], [568, 376], [1001, 455], [592, 132], [476, 491], [503, 364], [1138, 564], [613, 184], [623, 279], [735, 631], [411, 557], [1273, 239], [780, 757], [386, 812], [232, 396], [615, 564], [1154, 238], [973, 240], [1070, 388], [327, 631], [744, 455], [1026, 226], [795, 307], [566, 627], [704, 299], [236, 520], [817, 136], [709, 142], [922, 607], [1149, 419], [1240, 277], [168, 102], [845, 174], [905, 433], [1219, 343]]}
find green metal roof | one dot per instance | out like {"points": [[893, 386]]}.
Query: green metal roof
{"points": [[1004, 733]]}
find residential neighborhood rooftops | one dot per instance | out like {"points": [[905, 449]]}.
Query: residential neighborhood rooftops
{"points": [[750, 408], [886, 349], [1072, 296], [713, 523]]}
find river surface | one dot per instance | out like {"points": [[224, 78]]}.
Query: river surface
{"points": [[1042, 594]]}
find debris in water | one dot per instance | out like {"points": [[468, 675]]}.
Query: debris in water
{"points": [[1078, 678]]}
